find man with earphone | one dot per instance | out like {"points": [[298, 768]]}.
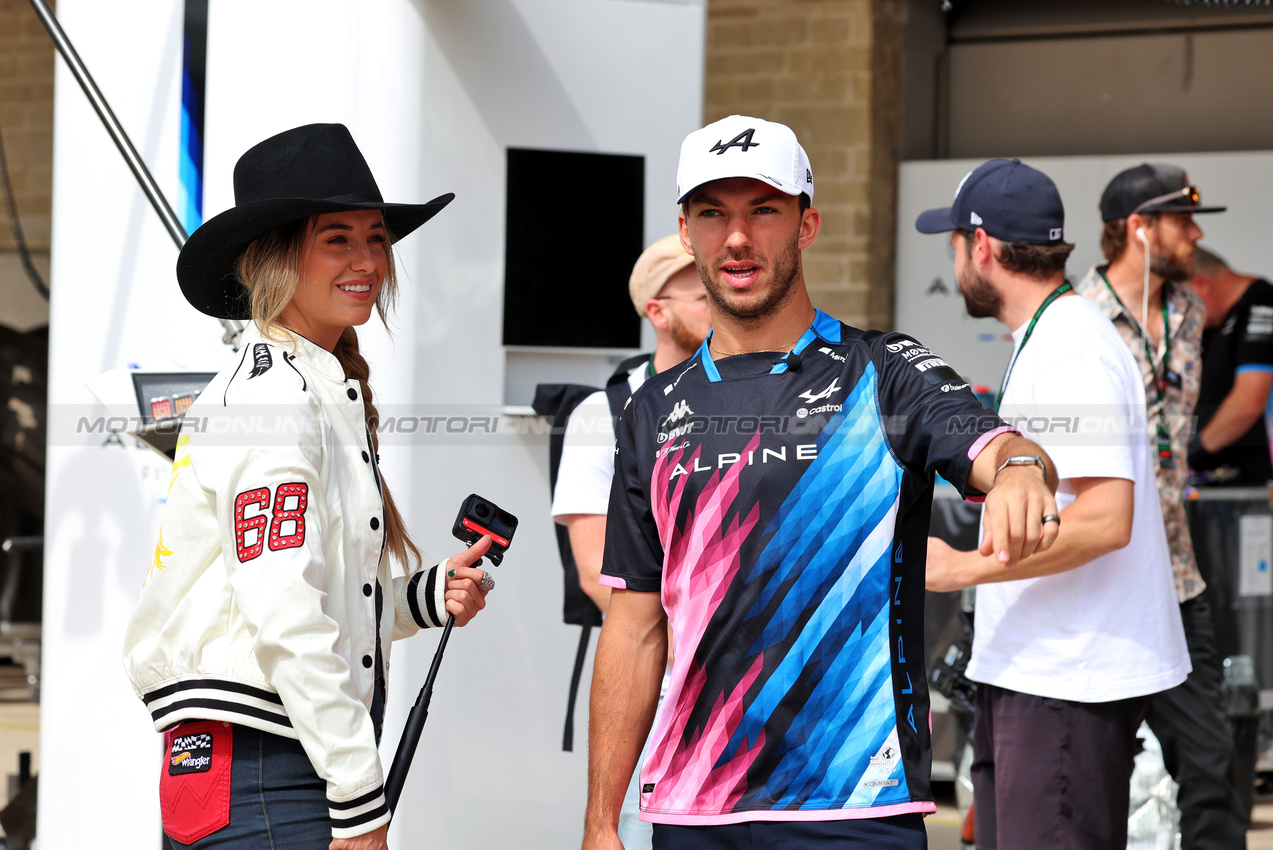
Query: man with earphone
{"points": [[1148, 240]]}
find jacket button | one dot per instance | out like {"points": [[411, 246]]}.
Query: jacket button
{"points": [[375, 523], [366, 661], [353, 394], [366, 590], [366, 458]]}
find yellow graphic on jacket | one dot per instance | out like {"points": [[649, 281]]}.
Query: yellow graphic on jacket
{"points": [[161, 552], [181, 462]]}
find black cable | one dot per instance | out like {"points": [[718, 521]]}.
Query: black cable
{"points": [[18, 237]]}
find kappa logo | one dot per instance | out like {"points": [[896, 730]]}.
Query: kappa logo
{"points": [[261, 360], [810, 397], [742, 140], [680, 410], [895, 347]]}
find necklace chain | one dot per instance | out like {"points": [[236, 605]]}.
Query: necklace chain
{"points": [[720, 353]]}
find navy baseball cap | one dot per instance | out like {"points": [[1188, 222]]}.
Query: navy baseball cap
{"points": [[1007, 199], [1151, 188]]}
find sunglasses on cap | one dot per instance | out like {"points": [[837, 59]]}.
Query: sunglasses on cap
{"points": [[1189, 193]]}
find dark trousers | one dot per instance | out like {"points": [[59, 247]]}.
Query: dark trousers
{"points": [[276, 799], [901, 832], [1197, 743], [1050, 774]]}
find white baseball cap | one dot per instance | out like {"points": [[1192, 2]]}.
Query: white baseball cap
{"points": [[739, 146]]}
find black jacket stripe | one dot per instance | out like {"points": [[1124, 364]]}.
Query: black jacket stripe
{"points": [[430, 591], [369, 797], [277, 718], [212, 685], [413, 602], [358, 820]]}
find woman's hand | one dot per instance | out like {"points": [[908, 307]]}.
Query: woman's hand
{"points": [[465, 595], [377, 839]]}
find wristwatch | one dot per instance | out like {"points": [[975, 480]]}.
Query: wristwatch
{"points": [[1025, 460]]}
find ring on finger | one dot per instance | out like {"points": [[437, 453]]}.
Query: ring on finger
{"points": [[487, 583], [1056, 518]]}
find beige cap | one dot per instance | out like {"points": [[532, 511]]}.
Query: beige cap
{"points": [[654, 267]]}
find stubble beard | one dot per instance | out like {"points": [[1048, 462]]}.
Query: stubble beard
{"points": [[682, 337], [981, 300], [1172, 268], [786, 269]]}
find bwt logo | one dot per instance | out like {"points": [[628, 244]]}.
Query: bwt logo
{"points": [[895, 347]]}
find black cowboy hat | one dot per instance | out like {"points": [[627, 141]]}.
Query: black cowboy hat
{"points": [[298, 173]]}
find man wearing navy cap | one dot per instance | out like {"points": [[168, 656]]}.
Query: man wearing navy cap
{"points": [[771, 501], [1069, 645], [1148, 238]]}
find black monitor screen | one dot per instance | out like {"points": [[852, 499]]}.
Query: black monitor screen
{"points": [[575, 227]]}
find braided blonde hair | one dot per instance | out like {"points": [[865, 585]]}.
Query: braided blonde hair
{"points": [[270, 269]]}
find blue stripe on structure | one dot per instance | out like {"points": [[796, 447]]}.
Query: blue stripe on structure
{"points": [[193, 89], [828, 563]]}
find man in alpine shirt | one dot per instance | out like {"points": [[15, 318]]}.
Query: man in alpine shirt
{"points": [[771, 500], [1237, 372], [666, 290], [1069, 645], [1148, 239]]}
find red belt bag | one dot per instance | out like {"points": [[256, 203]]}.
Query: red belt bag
{"points": [[194, 784]]}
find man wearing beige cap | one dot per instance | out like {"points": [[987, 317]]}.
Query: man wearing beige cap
{"points": [[666, 289]]}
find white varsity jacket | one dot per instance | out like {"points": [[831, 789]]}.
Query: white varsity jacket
{"points": [[260, 604]]}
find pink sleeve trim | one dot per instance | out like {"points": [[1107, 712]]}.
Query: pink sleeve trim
{"points": [[984, 440], [613, 581], [923, 807]]}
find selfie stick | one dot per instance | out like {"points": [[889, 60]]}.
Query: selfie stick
{"points": [[415, 726]]}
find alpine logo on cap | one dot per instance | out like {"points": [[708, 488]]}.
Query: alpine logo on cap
{"points": [[742, 140], [808, 176], [974, 218]]}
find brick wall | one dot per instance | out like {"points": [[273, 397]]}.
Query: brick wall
{"points": [[26, 126], [830, 70]]}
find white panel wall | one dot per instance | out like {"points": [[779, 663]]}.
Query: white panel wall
{"points": [[979, 349], [434, 91]]}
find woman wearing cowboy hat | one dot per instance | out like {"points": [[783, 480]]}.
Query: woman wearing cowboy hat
{"points": [[260, 639]]}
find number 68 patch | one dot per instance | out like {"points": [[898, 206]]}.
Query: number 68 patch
{"points": [[286, 522]]}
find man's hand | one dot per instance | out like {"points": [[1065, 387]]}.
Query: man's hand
{"points": [[1017, 500], [603, 840]]}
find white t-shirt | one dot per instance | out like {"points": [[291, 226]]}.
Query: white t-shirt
{"points": [[587, 454], [1110, 629]]}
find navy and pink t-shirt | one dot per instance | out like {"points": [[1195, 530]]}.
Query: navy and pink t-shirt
{"points": [[780, 505]]}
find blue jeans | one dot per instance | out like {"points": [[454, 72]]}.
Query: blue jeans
{"points": [[277, 801]]}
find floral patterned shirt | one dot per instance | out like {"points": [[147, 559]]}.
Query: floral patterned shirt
{"points": [[1185, 318]]}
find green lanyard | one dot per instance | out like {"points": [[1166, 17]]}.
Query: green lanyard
{"points": [[1160, 383], [1047, 302], [650, 367]]}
